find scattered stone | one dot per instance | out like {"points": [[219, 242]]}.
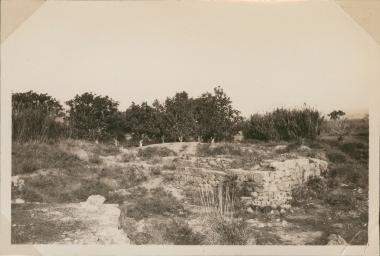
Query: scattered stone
{"points": [[337, 225], [251, 221], [249, 210], [254, 194], [282, 211], [335, 239], [261, 225], [278, 220], [280, 147], [19, 201], [269, 225], [284, 223], [122, 192], [304, 148]]}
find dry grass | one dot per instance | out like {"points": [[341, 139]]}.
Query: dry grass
{"points": [[29, 157], [158, 202]]}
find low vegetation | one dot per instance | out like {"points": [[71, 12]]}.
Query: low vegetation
{"points": [[220, 149], [30, 157], [151, 152]]}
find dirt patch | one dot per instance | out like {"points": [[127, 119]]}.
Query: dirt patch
{"points": [[66, 224]]}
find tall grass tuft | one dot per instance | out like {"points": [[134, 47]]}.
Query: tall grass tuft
{"points": [[218, 204], [217, 201]]}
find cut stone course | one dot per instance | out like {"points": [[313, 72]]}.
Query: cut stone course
{"points": [[272, 181]]}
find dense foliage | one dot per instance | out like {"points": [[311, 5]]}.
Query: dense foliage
{"points": [[35, 117], [94, 117], [284, 124], [208, 118]]}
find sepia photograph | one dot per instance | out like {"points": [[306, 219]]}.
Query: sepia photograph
{"points": [[189, 123]]}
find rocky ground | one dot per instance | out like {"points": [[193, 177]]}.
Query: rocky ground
{"points": [[148, 199]]}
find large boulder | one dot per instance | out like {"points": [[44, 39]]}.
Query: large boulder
{"points": [[19, 201], [93, 202]]}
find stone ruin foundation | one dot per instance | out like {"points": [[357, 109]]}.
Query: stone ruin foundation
{"points": [[272, 181]]}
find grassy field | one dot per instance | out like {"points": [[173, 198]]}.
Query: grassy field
{"points": [[156, 208]]}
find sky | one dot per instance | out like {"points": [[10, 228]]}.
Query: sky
{"points": [[263, 54]]}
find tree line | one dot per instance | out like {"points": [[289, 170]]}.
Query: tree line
{"points": [[208, 118]]}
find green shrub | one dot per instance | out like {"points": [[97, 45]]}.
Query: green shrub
{"points": [[172, 166], [178, 232], [150, 152], [28, 194], [129, 176], [159, 202], [350, 173], [127, 157], [154, 160], [95, 159], [336, 157], [155, 170], [284, 124], [231, 232], [341, 198], [246, 161], [105, 149], [314, 188], [356, 150], [90, 187]]}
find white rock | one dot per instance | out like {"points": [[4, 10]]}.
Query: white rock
{"points": [[254, 194], [280, 147], [284, 223], [249, 210], [95, 200], [304, 148], [337, 225], [19, 201]]}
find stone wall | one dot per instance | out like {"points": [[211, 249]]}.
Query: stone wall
{"points": [[272, 181]]}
